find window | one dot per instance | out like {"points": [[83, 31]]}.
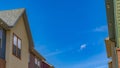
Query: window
{"points": [[37, 63], [1, 38], [16, 46]]}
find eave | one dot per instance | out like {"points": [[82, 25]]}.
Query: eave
{"points": [[51, 66], [3, 25], [110, 19], [33, 51]]}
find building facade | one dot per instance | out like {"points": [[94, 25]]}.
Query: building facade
{"points": [[37, 61], [16, 44], [113, 41]]}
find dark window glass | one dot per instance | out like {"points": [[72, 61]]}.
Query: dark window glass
{"points": [[14, 49], [0, 38], [0, 47], [0, 33], [0, 43], [19, 52]]}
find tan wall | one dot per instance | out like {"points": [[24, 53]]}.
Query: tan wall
{"points": [[11, 60]]}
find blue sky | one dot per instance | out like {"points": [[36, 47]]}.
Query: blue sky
{"points": [[68, 33]]}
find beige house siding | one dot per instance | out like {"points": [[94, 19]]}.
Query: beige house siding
{"points": [[11, 60]]}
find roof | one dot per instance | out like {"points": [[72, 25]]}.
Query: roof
{"points": [[9, 18], [32, 50], [51, 66]]}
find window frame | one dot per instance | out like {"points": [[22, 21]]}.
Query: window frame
{"points": [[16, 55]]}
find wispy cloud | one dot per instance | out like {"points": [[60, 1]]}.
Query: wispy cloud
{"points": [[91, 62], [57, 52], [103, 66], [100, 29], [54, 53], [83, 46]]}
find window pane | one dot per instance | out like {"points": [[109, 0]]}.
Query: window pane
{"points": [[39, 63], [19, 43], [15, 40], [0, 43], [18, 53], [35, 60], [14, 50], [0, 33]]}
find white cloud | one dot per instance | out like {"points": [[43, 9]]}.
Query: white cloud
{"points": [[83, 46], [100, 29]]}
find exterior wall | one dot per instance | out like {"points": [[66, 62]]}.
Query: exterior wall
{"points": [[114, 57], [2, 63], [117, 20], [32, 61], [118, 55], [11, 60]]}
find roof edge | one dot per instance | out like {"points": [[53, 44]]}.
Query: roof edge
{"points": [[32, 50]]}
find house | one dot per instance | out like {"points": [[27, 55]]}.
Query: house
{"points": [[16, 43], [37, 61], [113, 41]]}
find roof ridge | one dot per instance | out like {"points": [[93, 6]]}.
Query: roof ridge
{"points": [[12, 9]]}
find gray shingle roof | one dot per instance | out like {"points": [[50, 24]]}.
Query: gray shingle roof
{"points": [[11, 16]]}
